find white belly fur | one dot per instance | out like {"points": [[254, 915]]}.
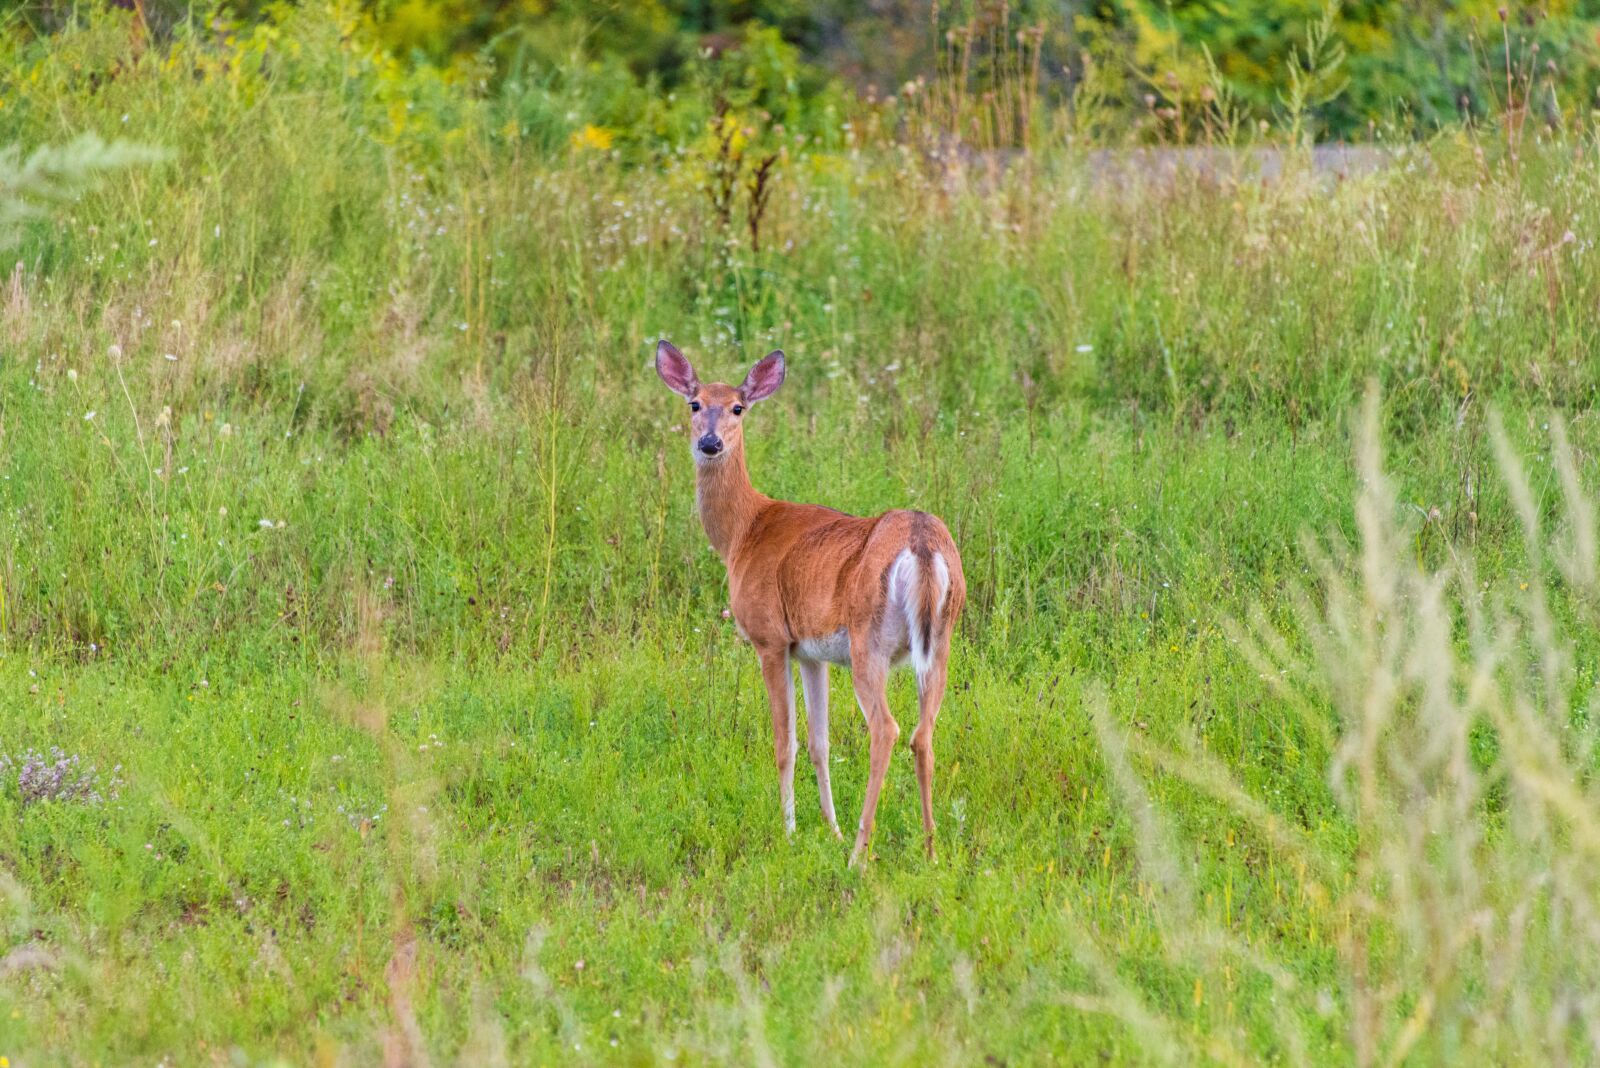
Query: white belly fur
{"points": [[835, 648]]}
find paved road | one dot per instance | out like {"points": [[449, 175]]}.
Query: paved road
{"points": [[1333, 161], [1330, 162]]}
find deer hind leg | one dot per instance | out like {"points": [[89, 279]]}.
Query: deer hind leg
{"points": [[930, 691], [868, 672], [814, 681], [780, 694]]}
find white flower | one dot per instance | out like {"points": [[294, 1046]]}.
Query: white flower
{"points": [[88, 416], [169, 356], [265, 524], [1085, 348], [72, 376]]}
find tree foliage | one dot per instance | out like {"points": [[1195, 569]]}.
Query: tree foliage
{"points": [[1406, 66]]}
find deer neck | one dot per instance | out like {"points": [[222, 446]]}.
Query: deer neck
{"points": [[726, 500]]}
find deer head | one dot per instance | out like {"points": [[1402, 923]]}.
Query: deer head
{"points": [[716, 410]]}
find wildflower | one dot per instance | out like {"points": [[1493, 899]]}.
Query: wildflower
{"points": [[57, 777], [593, 137]]}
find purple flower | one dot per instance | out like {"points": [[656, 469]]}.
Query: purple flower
{"points": [[57, 777]]}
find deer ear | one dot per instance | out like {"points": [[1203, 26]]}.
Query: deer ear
{"points": [[675, 370], [764, 378]]}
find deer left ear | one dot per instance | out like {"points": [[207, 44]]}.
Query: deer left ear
{"points": [[764, 378], [675, 370]]}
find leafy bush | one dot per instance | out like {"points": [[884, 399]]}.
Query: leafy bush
{"points": [[1411, 66]]}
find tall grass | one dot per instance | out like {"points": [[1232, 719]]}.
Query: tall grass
{"points": [[289, 275]]}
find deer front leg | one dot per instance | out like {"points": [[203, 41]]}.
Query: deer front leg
{"points": [[869, 675], [814, 681], [780, 694]]}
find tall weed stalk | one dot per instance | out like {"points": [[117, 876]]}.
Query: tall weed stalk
{"points": [[1467, 915]]}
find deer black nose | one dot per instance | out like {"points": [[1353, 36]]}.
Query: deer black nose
{"points": [[710, 444]]}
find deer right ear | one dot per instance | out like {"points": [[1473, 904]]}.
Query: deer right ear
{"points": [[764, 378], [675, 370]]}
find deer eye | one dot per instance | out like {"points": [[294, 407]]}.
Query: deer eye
{"points": [[694, 406], [738, 409]]}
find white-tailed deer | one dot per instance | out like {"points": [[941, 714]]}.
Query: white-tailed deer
{"points": [[817, 586]]}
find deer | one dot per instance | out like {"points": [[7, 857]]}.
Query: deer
{"points": [[811, 586]]}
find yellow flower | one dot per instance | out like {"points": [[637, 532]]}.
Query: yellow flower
{"points": [[592, 136], [733, 132]]}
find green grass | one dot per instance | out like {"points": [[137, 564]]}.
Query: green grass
{"points": [[455, 751]]}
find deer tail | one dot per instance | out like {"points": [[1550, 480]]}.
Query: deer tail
{"points": [[921, 583]]}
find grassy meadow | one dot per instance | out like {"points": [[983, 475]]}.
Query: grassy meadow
{"points": [[343, 515]]}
